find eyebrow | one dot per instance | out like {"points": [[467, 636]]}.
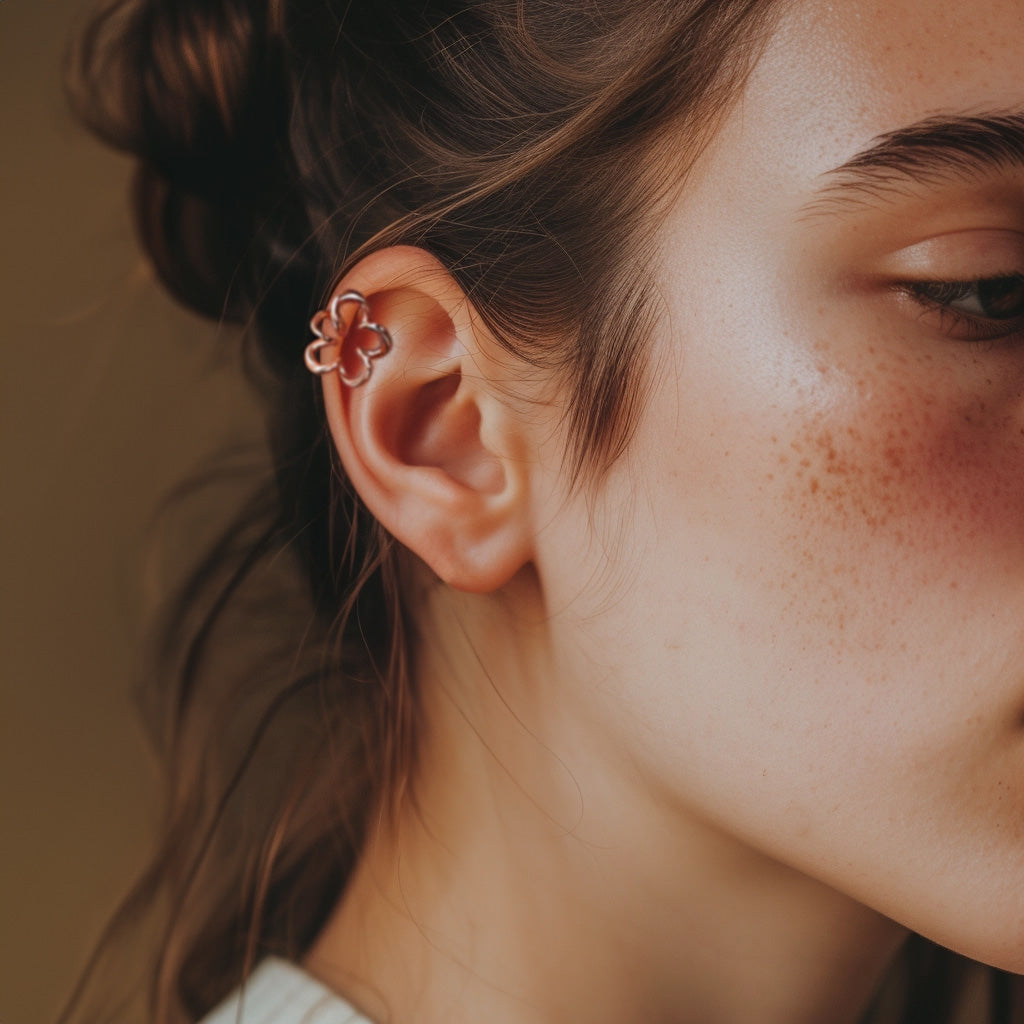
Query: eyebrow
{"points": [[934, 151]]}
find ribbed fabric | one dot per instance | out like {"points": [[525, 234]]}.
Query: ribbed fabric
{"points": [[278, 992]]}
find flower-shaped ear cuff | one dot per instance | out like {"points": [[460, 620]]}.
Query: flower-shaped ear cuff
{"points": [[327, 326]]}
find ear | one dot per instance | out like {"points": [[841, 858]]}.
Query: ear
{"points": [[437, 453]]}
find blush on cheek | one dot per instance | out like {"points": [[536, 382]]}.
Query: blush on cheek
{"points": [[896, 491], [914, 470]]}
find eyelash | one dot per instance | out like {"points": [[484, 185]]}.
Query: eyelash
{"points": [[937, 297]]}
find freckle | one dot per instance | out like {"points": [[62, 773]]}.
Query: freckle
{"points": [[814, 486], [953, 585], [805, 463], [770, 476], [783, 459]]}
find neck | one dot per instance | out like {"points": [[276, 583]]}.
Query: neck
{"points": [[534, 877]]}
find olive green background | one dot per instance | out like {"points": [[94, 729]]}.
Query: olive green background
{"points": [[110, 394]]}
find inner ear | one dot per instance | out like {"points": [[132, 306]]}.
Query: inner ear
{"points": [[441, 428]]}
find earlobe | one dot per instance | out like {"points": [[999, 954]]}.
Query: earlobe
{"points": [[433, 448]]}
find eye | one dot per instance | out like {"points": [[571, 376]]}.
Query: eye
{"points": [[984, 310], [996, 298]]}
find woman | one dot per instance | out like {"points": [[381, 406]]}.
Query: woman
{"points": [[658, 499]]}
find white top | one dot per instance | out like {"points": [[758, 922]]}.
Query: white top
{"points": [[278, 992]]}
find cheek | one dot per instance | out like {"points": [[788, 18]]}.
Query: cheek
{"points": [[854, 541], [832, 605], [909, 470], [905, 485]]}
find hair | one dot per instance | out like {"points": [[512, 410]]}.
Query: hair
{"points": [[527, 146]]}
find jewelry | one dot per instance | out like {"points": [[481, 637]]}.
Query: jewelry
{"points": [[327, 326]]}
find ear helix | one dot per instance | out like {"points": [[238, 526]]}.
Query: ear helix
{"points": [[330, 331]]}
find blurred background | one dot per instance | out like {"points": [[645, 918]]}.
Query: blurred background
{"points": [[110, 395]]}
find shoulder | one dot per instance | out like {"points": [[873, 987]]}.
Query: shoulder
{"points": [[278, 992]]}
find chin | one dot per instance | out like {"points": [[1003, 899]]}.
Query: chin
{"points": [[996, 942]]}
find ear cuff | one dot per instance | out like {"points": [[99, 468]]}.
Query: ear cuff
{"points": [[327, 326]]}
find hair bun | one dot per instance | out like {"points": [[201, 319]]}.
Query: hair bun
{"points": [[198, 92], [192, 86]]}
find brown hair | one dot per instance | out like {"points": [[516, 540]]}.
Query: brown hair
{"points": [[277, 142]]}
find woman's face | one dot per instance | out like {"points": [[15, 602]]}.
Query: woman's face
{"points": [[811, 563]]}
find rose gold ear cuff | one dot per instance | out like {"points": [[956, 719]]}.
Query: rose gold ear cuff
{"points": [[327, 326]]}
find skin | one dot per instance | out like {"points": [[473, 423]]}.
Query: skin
{"points": [[755, 707]]}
